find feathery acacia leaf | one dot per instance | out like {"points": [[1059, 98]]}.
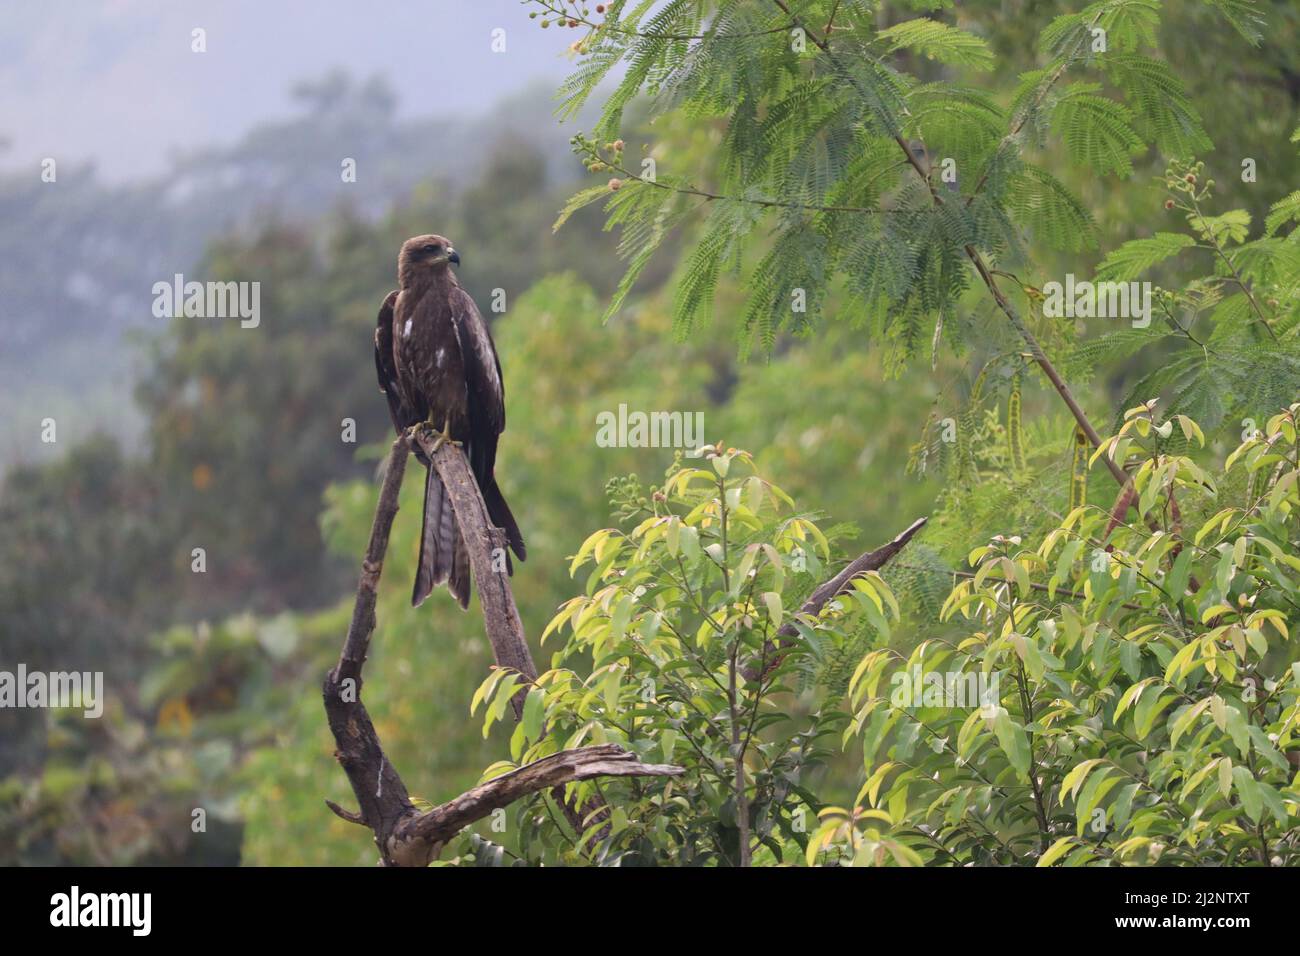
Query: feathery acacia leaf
{"points": [[1138, 255], [1097, 131], [1045, 207], [938, 41]]}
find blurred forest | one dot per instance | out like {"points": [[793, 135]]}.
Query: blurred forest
{"points": [[123, 238], [234, 441]]}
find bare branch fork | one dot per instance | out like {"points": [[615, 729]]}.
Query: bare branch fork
{"points": [[842, 582], [404, 835]]}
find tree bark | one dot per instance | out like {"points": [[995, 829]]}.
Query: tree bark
{"points": [[870, 561], [486, 544], [404, 835]]}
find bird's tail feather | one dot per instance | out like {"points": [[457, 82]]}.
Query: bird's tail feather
{"points": [[458, 581], [502, 517], [443, 558]]}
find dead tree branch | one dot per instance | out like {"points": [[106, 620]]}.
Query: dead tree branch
{"points": [[567, 766], [870, 561], [404, 835], [486, 545]]}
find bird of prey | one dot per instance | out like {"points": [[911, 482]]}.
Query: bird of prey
{"points": [[437, 365]]}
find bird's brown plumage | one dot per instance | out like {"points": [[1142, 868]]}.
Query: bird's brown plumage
{"points": [[437, 363]]}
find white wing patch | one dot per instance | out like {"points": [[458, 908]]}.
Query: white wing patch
{"points": [[483, 348], [406, 329], [476, 350]]}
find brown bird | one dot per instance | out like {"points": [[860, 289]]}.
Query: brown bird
{"points": [[437, 365]]}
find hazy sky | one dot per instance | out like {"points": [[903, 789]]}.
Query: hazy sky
{"points": [[116, 81]]}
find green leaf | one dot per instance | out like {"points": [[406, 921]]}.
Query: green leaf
{"points": [[1138, 255], [1074, 779], [938, 41], [1097, 131], [1185, 719], [1055, 851], [1013, 742], [1232, 226], [1130, 658], [1238, 730], [1123, 806], [584, 198], [774, 608], [667, 743], [1092, 794], [534, 712], [1180, 574], [1244, 16], [1248, 791], [1286, 209], [1148, 708]]}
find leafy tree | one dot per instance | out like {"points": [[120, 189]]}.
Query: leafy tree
{"points": [[682, 624], [1112, 692], [896, 193], [81, 554], [827, 132], [1149, 681]]}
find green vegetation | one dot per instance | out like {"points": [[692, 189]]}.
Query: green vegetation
{"points": [[1111, 693], [773, 235]]}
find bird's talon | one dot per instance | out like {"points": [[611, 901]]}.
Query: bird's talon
{"points": [[441, 437]]}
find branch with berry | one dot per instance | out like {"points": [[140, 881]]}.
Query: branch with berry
{"points": [[1186, 193], [574, 14], [608, 157]]}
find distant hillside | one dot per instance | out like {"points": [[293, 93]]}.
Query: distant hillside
{"points": [[78, 258]]}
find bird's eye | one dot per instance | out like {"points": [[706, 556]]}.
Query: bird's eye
{"points": [[431, 248]]}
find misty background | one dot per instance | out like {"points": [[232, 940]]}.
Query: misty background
{"points": [[158, 149]]}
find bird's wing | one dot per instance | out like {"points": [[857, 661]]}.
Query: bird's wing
{"points": [[384, 367], [484, 386], [484, 389], [486, 404]]}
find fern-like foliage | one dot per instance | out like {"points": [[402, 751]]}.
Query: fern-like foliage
{"points": [[1049, 212], [1229, 338], [1134, 258], [867, 176], [886, 174], [936, 40], [1097, 131]]}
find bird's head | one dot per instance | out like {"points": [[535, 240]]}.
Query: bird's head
{"points": [[423, 254]]}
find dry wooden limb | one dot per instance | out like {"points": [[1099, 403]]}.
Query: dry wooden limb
{"points": [[404, 835], [486, 545], [870, 561], [379, 790], [568, 766]]}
